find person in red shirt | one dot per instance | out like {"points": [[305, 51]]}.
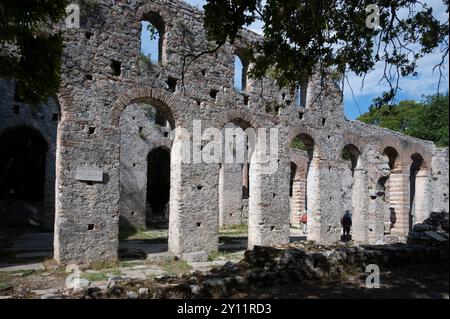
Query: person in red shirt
{"points": [[304, 221]]}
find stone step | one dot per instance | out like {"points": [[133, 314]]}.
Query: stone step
{"points": [[8, 268]]}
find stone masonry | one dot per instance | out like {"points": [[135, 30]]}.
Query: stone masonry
{"points": [[116, 107]]}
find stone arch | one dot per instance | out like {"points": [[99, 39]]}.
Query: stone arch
{"points": [[165, 101], [161, 20], [28, 126], [158, 38], [298, 183], [151, 8], [239, 117], [309, 134], [403, 158], [309, 145], [352, 153], [234, 177], [395, 189], [355, 198], [392, 142], [393, 157], [239, 53], [158, 185], [140, 134], [64, 100], [417, 153], [24, 153], [353, 141]]}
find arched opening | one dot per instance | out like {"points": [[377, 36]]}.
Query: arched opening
{"points": [[26, 196], [234, 187], [297, 191], [419, 209], [394, 219], [145, 163], [354, 187], [153, 38], [377, 211], [158, 188], [246, 182], [301, 93], [291, 183], [240, 72], [23, 153], [304, 184]]}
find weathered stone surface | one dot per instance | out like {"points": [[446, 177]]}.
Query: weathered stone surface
{"points": [[200, 256], [112, 121]]}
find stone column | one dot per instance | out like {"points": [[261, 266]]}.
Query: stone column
{"points": [[421, 199], [87, 213], [194, 206], [298, 200], [360, 205], [400, 199], [375, 221], [268, 220], [323, 218]]}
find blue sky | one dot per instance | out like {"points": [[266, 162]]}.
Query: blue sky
{"points": [[412, 88]]}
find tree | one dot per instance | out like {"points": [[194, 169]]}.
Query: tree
{"points": [[397, 118], [301, 37], [432, 120], [30, 49], [427, 120]]}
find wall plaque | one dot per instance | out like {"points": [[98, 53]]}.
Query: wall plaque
{"points": [[89, 174]]}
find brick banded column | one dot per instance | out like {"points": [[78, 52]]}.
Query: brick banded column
{"points": [[400, 199]]}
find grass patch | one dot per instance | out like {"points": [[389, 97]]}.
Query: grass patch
{"points": [[176, 267], [221, 255], [234, 230], [27, 273], [116, 272], [95, 276], [129, 264], [231, 240], [157, 236], [103, 265], [127, 232], [5, 279], [151, 277], [101, 275]]}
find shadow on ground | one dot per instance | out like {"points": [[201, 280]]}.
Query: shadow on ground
{"points": [[427, 281]]}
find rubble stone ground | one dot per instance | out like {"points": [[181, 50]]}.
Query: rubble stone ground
{"points": [[298, 270]]}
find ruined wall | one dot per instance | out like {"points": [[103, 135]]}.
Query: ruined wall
{"points": [[97, 129]]}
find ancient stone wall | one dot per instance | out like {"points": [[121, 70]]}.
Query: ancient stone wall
{"points": [[107, 86]]}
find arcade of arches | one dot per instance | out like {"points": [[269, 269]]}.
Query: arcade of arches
{"points": [[116, 142]]}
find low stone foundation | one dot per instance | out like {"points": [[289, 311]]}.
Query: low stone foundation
{"points": [[266, 266]]}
